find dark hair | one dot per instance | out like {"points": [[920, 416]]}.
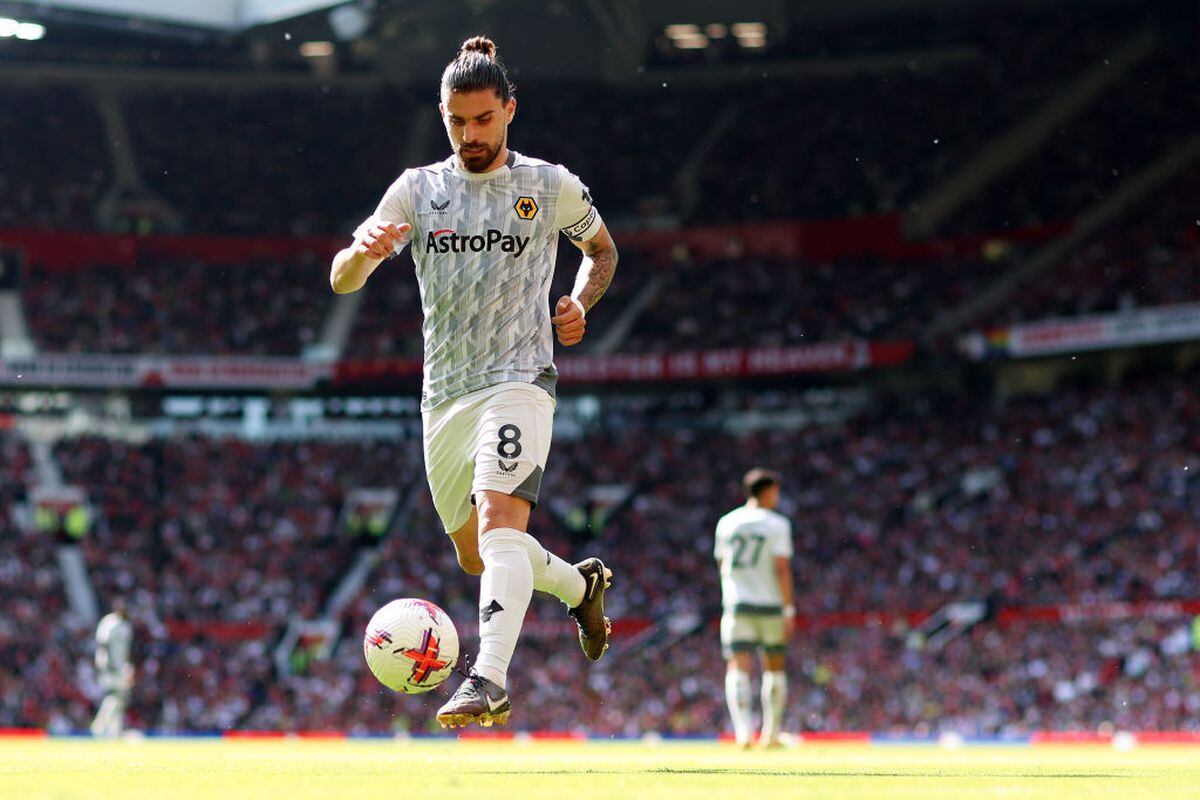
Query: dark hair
{"points": [[476, 68], [758, 480]]}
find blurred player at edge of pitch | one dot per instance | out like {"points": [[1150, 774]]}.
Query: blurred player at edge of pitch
{"points": [[754, 556], [484, 225], [114, 672]]}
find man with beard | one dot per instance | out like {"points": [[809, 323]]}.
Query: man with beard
{"points": [[484, 225]]}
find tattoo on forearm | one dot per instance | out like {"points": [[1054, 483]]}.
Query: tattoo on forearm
{"points": [[595, 273]]}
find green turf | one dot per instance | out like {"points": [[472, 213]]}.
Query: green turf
{"points": [[167, 770]]}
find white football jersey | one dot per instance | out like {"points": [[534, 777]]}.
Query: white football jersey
{"points": [[114, 636], [484, 245], [747, 541]]}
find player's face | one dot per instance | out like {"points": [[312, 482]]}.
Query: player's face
{"points": [[477, 124], [769, 497]]}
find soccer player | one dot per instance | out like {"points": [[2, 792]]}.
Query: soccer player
{"points": [[484, 225], [114, 636], [754, 551]]}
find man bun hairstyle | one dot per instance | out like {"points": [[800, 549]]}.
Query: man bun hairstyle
{"points": [[477, 68], [479, 44], [758, 480]]}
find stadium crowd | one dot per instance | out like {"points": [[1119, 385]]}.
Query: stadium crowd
{"points": [[1006, 679], [190, 308], [319, 142], [1010, 63], [43, 656], [1084, 159], [178, 306], [1084, 497], [1087, 495], [59, 192], [1153, 260], [794, 301], [225, 530], [192, 532], [388, 321]]}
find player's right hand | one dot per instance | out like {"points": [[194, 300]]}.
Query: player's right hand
{"points": [[380, 240]]}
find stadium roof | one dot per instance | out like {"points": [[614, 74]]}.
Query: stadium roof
{"points": [[229, 15]]}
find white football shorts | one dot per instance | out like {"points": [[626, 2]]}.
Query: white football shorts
{"points": [[113, 682], [495, 439], [743, 632]]}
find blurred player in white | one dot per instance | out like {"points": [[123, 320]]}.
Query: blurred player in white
{"points": [[114, 671], [484, 226], [754, 555]]}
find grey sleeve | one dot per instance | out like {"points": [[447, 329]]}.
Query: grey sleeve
{"points": [[396, 207], [575, 215]]}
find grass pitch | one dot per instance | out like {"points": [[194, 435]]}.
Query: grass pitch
{"points": [[300, 770]]}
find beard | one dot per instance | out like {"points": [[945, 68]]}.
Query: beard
{"points": [[478, 160]]}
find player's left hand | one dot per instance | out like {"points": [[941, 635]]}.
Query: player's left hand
{"points": [[568, 320]]}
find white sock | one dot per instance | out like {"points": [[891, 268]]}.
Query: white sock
{"points": [[553, 575], [504, 593], [737, 696], [108, 718], [774, 696], [100, 723], [117, 724]]}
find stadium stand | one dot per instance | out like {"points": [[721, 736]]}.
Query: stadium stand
{"points": [[388, 322], [58, 192], [1083, 498], [1086, 497], [175, 306], [1063, 505], [320, 146], [323, 145], [796, 301], [38, 661], [196, 532], [232, 530], [1151, 260], [1081, 163]]}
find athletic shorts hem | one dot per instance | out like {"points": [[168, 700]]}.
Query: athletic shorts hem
{"points": [[752, 608], [749, 632], [730, 650], [524, 494]]}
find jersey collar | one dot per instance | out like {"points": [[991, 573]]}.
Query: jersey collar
{"points": [[485, 176]]}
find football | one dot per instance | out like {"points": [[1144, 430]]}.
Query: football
{"points": [[411, 645]]}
